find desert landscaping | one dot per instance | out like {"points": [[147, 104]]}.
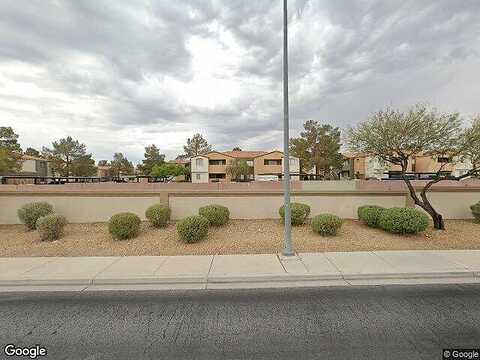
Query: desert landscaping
{"points": [[235, 237]]}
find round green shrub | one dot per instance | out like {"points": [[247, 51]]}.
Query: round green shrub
{"points": [[158, 215], [476, 211], [50, 227], [370, 214], [403, 220], [30, 213], [192, 229], [326, 224], [298, 211], [217, 215], [124, 226]]}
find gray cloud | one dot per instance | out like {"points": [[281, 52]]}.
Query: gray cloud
{"points": [[120, 75]]}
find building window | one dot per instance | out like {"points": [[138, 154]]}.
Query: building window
{"points": [[217, 162], [272, 162], [199, 162], [443, 159], [293, 162], [216, 176], [198, 176], [250, 162]]}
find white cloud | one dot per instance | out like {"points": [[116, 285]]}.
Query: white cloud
{"points": [[119, 75]]}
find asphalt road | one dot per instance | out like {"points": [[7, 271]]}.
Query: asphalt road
{"points": [[401, 322]]}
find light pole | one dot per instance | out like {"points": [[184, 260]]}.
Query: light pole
{"points": [[287, 241]]}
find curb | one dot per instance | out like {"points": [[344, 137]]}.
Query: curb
{"points": [[255, 281]]}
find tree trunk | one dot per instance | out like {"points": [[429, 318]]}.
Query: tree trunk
{"points": [[438, 222]]}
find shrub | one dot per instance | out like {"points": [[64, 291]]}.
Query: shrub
{"points": [[299, 212], [403, 220], [158, 215], [192, 229], [476, 211], [326, 224], [124, 226], [50, 227], [30, 213], [370, 214], [217, 215]]}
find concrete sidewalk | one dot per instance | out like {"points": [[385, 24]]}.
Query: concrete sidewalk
{"points": [[239, 271]]}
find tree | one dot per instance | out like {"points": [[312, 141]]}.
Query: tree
{"points": [[69, 157], [197, 145], [395, 137], [238, 168], [10, 151], [32, 152], [103, 163], [319, 146], [120, 165], [152, 157], [168, 170], [236, 148]]}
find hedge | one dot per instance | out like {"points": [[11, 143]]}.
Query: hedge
{"points": [[30, 213], [326, 224], [158, 215], [370, 214], [299, 212], [403, 220], [217, 215], [124, 226], [51, 227], [192, 229]]}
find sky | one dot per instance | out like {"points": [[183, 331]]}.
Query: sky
{"points": [[119, 75]]}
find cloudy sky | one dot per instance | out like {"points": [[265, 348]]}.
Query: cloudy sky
{"points": [[121, 74]]}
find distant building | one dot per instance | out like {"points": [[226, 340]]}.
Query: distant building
{"points": [[213, 166], [35, 166], [361, 166], [184, 163], [103, 170]]}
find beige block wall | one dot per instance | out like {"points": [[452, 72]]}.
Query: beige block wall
{"points": [[266, 207], [98, 208], [79, 209], [453, 205], [334, 185], [241, 207], [346, 206]]}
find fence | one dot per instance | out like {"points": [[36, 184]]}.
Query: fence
{"points": [[86, 203]]}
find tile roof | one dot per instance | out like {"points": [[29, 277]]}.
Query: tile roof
{"points": [[30, 157], [244, 154]]}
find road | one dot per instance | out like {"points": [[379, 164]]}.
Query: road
{"points": [[394, 322]]}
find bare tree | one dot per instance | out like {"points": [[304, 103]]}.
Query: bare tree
{"points": [[395, 137]]}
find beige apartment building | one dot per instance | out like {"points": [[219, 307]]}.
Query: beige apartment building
{"points": [[361, 166], [213, 166], [35, 166]]}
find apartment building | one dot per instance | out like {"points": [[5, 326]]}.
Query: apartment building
{"points": [[36, 166], [361, 166], [265, 165]]}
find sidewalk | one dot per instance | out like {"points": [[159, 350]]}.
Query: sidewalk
{"points": [[239, 271]]}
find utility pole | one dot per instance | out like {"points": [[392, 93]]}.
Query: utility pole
{"points": [[287, 241]]}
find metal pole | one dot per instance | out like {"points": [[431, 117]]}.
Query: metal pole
{"points": [[287, 241]]}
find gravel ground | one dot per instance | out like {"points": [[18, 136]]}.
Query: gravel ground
{"points": [[238, 237]]}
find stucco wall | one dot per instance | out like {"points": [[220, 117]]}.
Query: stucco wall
{"points": [[29, 166], [79, 209], [454, 205], [266, 207], [247, 204]]}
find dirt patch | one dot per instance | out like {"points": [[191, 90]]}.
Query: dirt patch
{"points": [[237, 237]]}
